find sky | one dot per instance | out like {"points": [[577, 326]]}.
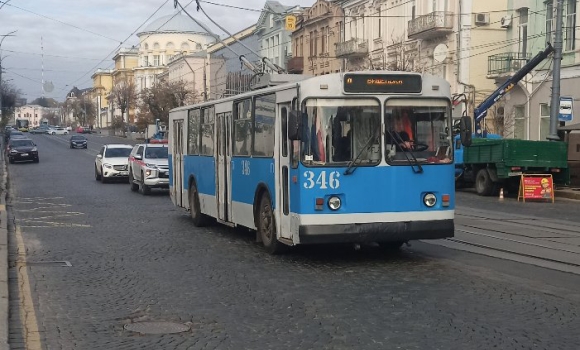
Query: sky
{"points": [[65, 41]]}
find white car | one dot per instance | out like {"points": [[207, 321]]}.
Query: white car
{"points": [[112, 162], [148, 167], [57, 131]]}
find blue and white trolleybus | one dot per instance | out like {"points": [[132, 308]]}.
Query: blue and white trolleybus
{"points": [[347, 157]]}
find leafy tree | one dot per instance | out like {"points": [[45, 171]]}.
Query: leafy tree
{"points": [[123, 95], [45, 102], [9, 94], [52, 117], [157, 101]]}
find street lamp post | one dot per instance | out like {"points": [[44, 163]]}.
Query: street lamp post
{"points": [[1, 89]]}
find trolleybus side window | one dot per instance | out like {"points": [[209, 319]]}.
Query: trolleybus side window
{"points": [[193, 139], [207, 128], [243, 128], [264, 118], [341, 131], [418, 129]]}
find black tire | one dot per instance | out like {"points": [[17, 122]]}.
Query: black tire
{"points": [[199, 219], [11, 160], [134, 186], [71, 146], [483, 184], [97, 176], [145, 190], [103, 178], [267, 227], [85, 147], [391, 246]]}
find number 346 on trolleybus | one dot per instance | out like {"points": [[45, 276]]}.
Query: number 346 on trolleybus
{"points": [[347, 157]]}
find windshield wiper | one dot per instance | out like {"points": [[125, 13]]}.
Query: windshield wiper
{"points": [[415, 166], [352, 163]]}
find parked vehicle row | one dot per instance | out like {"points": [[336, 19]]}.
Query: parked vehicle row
{"points": [[144, 166]]}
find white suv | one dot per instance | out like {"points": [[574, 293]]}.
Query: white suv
{"points": [[148, 167], [112, 162]]}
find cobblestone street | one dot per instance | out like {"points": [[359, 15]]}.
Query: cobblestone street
{"points": [[137, 258]]}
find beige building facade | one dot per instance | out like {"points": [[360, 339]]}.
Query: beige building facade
{"points": [[315, 38]]}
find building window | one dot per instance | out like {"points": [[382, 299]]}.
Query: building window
{"points": [[569, 29], [271, 21], [340, 31], [523, 31], [301, 48], [145, 61], [549, 21], [519, 122], [311, 44], [324, 38], [544, 121], [156, 60], [315, 43], [379, 27]]}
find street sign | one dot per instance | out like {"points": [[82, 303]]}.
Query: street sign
{"points": [[565, 113], [291, 22]]}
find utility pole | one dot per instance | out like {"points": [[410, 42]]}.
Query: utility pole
{"points": [[555, 103]]}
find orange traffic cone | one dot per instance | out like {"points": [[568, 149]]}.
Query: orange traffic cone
{"points": [[501, 194]]}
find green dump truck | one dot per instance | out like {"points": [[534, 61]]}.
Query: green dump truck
{"points": [[491, 164]]}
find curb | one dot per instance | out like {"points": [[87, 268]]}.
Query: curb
{"points": [[4, 300], [569, 194]]}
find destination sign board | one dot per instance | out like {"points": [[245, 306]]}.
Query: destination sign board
{"points": [[382, 83]]}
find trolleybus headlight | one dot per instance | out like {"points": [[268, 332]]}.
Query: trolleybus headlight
{"points": [[429, 199], [334, 203]]}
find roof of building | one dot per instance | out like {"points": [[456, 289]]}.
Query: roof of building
{"points": [[175, 23]]}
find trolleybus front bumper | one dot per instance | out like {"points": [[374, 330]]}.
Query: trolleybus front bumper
{"points": [[376, 232]]}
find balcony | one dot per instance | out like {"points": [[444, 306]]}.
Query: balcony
{"points": [[506, 63], [296, 65], [429, 26], [352, 48]]}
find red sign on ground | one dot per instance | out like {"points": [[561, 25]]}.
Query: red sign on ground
{"points": [[537, 186]]}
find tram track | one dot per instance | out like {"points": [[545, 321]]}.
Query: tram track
{"points": [[509, 251]]}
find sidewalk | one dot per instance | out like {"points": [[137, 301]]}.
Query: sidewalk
{"points": [[569, 193], [3, 258]]}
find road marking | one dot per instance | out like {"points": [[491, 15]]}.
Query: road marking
{"points": [[27, 313]]}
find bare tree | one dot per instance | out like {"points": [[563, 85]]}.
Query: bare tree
{"points": [[402, 56], [52, 117], [82, 108], [123, 96]]}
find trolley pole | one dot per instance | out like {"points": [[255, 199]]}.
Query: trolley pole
{"points": [[555, 103]]}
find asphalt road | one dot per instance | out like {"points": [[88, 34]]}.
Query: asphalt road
{"points": [[99, 257]]}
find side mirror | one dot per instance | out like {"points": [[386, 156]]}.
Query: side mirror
{"points": [[138, 157], [100, 156], [295, 125], [465, 131]]}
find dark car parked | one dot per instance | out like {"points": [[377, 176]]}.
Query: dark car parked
{"points": [[21, 149], [78, 141], [12, 133]]}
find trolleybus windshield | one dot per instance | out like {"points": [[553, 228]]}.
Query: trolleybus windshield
{"points": [[420, 127], [336, 131]]}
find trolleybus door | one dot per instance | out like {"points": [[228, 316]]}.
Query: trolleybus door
{"points": [[224, 152], [177, 155], [283, 174]]}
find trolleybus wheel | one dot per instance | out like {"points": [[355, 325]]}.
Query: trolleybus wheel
{"points": [[199, 219], [483, 184], [267, 227]]}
